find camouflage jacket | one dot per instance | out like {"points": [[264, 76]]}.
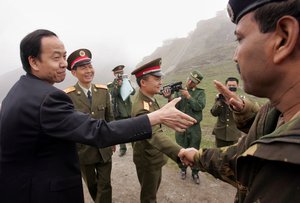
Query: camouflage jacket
{"points": [[262, 162]]}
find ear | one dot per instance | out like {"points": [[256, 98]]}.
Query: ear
{"points": [[33, 63], [287, 32], [73, 72], [143, 82]]}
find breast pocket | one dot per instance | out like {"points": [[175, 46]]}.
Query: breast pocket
{"points": [[101, 111]]}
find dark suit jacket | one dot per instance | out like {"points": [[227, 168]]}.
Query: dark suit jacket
{"points": [[38, 131]]}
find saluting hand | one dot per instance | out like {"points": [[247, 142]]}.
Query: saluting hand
{"points": [[231, 98]]}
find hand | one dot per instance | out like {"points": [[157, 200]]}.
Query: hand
{"points": [[231, 98], [185, 93], [120, 82], [171, 117], [166, 92], [187, 156]]}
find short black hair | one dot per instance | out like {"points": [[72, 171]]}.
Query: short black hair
{"points": [[31, 46], [232, 79]]}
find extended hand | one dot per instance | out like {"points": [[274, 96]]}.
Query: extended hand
{"points": [[171, 117]]}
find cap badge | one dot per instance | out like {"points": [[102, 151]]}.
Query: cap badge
{"points": [[81, 53]]}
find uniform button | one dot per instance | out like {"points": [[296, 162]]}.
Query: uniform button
{"points": [[227, 119], [93, 112], [227, 125]]}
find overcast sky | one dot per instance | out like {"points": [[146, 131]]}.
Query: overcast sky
{"points": [[122, 29]]}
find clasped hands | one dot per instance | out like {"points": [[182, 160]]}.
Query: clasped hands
{"points": [[187, 156]]}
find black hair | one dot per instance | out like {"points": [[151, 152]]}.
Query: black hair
{"points": [[232, 79], [268, 15], [31, 46]]}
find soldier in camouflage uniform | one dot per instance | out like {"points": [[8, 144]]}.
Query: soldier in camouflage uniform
{"points": [[225, 130], [192, 103], [148, 155], [121, 108], [95, 163], [265, 161]]}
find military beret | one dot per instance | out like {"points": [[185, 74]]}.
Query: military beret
{"points": [[153, 68], [78, 58], [196, 76], [238, 8], [118, 68]]}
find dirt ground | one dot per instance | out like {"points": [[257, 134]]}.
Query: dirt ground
{"points": [[126, 187]]}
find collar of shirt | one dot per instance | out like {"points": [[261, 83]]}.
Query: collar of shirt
{"points": [[86, 90]]}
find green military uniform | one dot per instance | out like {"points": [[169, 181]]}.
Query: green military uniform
{"points": [[265, 160], [225, 129], [121, 108], [95, 163], [192, 107], [148, 154]]}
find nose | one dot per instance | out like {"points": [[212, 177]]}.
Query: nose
{"points": [[235, 55], [64, 63]]}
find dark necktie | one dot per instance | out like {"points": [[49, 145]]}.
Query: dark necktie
{"points": [[89, 96]]}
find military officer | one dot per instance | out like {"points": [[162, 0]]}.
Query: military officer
{"points": [[192, 103], [121, 108], [95, 163], [148, 155], [225, 130]]}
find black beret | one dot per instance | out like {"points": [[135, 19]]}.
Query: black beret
{"points": [[238, 8], [79, 57], [153, 68]]}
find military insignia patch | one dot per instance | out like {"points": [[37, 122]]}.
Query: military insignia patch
{"points": [[99, 86], [146, 106], [69, 89], [81, 53]]}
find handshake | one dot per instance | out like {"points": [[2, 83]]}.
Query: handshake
{"points": [[187, 156]]}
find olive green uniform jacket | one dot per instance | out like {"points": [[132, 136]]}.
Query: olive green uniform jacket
{"points": [[192, 107], [225, 127], [99, 109], [148, 155], [121, 109], [262, 162], [150, 152]]}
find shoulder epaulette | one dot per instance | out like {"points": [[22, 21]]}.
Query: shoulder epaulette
{"points": [[69, 89], [99, 86], [109, 83]]}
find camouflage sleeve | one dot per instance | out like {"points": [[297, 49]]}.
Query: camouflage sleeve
{"points": [[219, 162], [245, 118]]}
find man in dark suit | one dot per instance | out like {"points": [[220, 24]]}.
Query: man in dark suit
{"points": [[94, 99], [39, 128]]}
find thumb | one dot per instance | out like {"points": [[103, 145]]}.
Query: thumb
{"points": [[175, 101]]}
